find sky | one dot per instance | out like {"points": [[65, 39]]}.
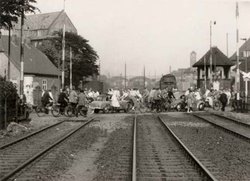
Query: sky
{"points": [[156, 34]]}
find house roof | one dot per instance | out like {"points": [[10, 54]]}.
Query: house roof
{"points": [[39, 21], [35, 62], [218, 58], [245, 46]]}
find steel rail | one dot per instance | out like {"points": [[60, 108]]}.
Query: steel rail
{"points": [[38, 155], [223, 128], [29, 135], [231, 119], [134, 149], [204, 170]]}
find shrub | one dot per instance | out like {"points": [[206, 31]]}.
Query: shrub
{"points": [[8, 92]]}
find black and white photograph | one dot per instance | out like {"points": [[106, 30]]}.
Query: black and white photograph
{"points": [[124, 90]]}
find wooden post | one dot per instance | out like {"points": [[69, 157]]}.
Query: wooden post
{"points": [[5, 112]]}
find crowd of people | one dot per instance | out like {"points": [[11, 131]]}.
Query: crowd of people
{"points": [[153, 100], [76, 98]]}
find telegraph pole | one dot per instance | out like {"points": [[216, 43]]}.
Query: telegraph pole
{"points": [[63, 56], [144, 78], [9, 40], [227, 43], [125, 85], [70, 67], [22, 56], [237, 77]]}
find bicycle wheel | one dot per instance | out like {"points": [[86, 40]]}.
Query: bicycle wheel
{"points": [[55, 110], [217, 105], [83, 111], [69, 111], [40, 111]]}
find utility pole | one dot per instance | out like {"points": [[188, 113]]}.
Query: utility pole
{"points": [[211, 53], [22, 56], [227, 43], [237, 77], [70, 67], [205, 72], [125, 73], [9, 40], [63, 56], [245, 54], [99, 70], [144, 78]]}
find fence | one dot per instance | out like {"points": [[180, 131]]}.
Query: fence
{"points": [[243, 105]]}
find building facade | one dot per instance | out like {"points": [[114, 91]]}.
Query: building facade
{"points": [[39, 27], [39, 72], [214, 74]]}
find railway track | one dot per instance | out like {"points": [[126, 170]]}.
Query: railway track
{"points": [[158, 154], [230, 125], [22, 153]]}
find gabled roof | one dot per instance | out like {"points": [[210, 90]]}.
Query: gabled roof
{"points": [[39, 21], [35, 62], [218, 58], [244, 47]]}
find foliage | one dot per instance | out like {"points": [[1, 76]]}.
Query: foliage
{"points": [[10, 10], [7, 89], [84, 57]]}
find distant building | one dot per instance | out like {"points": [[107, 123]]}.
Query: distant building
{"points": [[185, 78], [220, 76], [39, 27], [192, 58], [138, 82], [117, 82]]}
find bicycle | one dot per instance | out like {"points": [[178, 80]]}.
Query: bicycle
{"points": [[71, 110], [57, 110], [42, 110]]}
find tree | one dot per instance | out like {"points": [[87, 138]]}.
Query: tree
{"points": [[10, 10], [83, 60]]}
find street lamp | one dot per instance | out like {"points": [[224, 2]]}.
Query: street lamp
{"points": [[211, 58]]}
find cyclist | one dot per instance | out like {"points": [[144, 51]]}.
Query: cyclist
{"points": [[46, 101], [82, 102], [63, 100]]}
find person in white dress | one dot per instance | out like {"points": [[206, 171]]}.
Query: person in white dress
{"points": [[114, 99]]}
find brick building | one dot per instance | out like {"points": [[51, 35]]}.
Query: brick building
{"points": [[39, 72]]}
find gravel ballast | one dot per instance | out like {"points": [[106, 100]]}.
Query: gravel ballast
{"points": [[228, 153]]}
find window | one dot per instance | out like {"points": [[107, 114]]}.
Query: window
{"points": [[44, 84]]}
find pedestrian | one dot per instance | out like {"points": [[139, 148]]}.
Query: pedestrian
{"points": [[157, 99], [223, 100], [114, 100], [190, 101], [73, 98]]}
